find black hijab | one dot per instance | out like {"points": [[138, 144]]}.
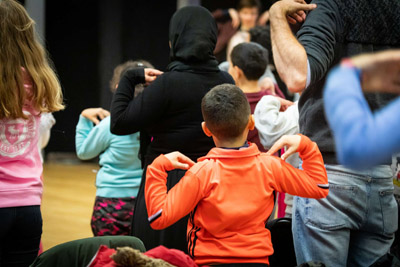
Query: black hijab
{"points": [[193, 36]]}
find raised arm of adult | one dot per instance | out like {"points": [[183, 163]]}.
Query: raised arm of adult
{"points": [[289, 55], [130, 114]]}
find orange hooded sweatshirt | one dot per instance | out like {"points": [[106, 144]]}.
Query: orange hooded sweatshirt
{"points": [[229, 194]]}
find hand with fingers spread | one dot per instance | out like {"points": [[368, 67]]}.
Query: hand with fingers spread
{"points": [[179, 161], [380, 71], [151, 74], [95, 114], [291, 142], [294, 10]]}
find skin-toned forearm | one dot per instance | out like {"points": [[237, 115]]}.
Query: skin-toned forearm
{"points": [[289, 55]]}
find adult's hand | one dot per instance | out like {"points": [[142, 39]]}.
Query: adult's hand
{"points": [[95, 114], [151, 74], [294, 10], [380, 71]]}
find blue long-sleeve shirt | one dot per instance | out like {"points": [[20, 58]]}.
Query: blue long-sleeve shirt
{"points": [[120, 173], [362, 138]]}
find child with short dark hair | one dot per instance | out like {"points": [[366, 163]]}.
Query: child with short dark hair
{"points": [[248, 64], [252, 59], [229, 192]]}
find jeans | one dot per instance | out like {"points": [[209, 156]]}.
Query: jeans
{"points": [[20, 232], [354, 225]]}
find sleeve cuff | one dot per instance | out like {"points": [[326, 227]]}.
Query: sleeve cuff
{"points": [[136, 75], [308, 79], [348, 64], [84, 123], [303, 143]]}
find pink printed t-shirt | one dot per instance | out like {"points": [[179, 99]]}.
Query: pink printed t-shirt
{"points": [[20, 164]]}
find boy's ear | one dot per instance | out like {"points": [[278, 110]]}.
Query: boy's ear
{"points": [[205, 129], [251, 123], [238, 72]]}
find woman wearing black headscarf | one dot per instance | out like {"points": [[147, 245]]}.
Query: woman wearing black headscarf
{"points": [[169, 110]]}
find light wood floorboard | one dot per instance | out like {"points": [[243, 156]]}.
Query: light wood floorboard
{"points": [[67, 205]]}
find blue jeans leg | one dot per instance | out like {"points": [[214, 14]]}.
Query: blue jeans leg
{"points": [[20, 233], [354, 225]]}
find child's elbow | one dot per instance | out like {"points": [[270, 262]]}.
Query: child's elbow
{"points": [[157, 221], [323, 193], [83, 154]]}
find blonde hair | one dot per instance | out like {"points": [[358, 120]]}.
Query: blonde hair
{"points": [[19, 49]]}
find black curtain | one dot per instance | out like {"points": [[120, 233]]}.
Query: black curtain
{"points": [[87, 39]]}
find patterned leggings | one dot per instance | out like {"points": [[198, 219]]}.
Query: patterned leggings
{"points": [[112, 216]]}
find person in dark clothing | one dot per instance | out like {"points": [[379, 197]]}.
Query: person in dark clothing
{"points": [[355, 224], [169, 110]]}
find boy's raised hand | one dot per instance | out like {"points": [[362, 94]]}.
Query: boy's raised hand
{"points": [[291, 142], [179, 161]]}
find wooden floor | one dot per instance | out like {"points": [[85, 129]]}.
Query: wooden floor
{"points": [[67, 205]]}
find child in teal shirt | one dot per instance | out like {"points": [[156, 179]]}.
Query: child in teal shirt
{"points": [[119, 177]]}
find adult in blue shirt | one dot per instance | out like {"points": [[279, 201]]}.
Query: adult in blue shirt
{"points": [[355, 224], [364, 138]]}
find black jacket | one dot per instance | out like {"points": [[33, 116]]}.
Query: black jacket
{"points": [[169, 110]]}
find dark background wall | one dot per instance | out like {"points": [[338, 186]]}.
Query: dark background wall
{"points": [[86, 39]]}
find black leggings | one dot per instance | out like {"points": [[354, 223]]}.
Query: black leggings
{"points": [[20, 232]]}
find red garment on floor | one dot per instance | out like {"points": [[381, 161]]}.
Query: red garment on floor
{"points": [[172, 256], [102, 257]]}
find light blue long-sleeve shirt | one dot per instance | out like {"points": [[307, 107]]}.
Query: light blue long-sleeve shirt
{"points": [[363, 139], [120, 173]]}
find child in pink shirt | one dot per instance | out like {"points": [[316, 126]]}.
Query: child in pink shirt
{"points": [[28, 88]]}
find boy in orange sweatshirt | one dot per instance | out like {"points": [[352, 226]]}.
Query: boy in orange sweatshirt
{"points": [[229, 192]]}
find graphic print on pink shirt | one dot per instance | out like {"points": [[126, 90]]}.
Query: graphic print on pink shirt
{"points": [[16, 135]]}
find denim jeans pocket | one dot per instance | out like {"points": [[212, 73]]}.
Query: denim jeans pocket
{"points": [[331, 212], [389, 211]]}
